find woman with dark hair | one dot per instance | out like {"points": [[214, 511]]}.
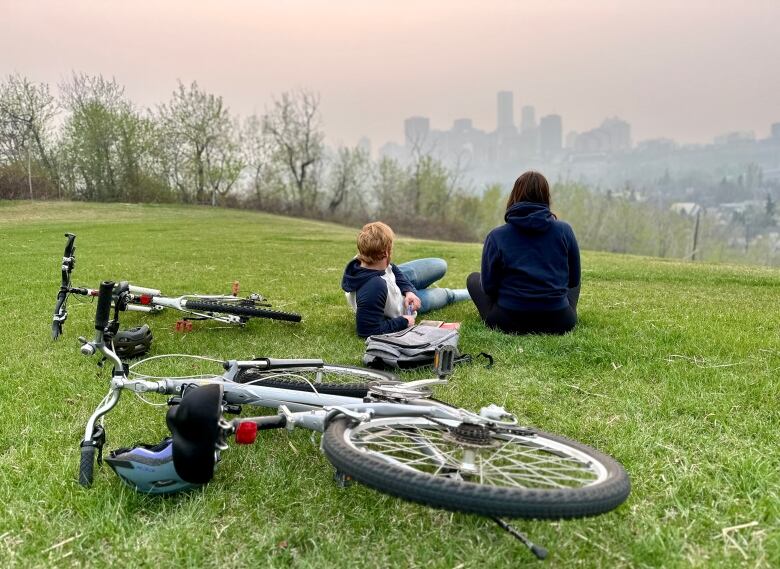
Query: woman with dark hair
{"points": [[530, 279]]}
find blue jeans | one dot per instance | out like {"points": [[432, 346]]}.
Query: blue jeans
{"points": [[422, 273]]}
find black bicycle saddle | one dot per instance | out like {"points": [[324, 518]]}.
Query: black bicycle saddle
{"points": [[194, 424]]}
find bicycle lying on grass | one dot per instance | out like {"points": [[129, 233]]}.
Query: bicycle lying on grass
{"points": [[223, 308], [388, 435]]}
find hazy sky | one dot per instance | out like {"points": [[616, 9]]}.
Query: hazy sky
{"points": [[687, 69]]}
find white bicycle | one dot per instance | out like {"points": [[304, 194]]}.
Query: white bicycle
{"points": [[388, 435]]}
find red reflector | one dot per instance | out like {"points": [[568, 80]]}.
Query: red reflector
{"points": [[246, 433], [145, 299]]}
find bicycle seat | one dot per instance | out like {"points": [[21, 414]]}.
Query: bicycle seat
{"points": [[194, 424]]}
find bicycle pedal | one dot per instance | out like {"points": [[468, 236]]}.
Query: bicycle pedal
{"points": [[342, 479]]}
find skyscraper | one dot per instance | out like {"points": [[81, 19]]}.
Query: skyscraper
{"points": [[776, 131], [506, 111], [527, 118], [550, 135], [619, 132]]}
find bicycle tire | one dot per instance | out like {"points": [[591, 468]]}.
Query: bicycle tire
{"points": [[454, 489], [348, 381], [87, 465], [240, 310]]}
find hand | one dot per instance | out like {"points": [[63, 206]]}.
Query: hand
{"points": [[409, 320], [412, 299]]}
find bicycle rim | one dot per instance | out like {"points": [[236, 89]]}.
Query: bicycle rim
{"points": [[470, 469], [329, 379]]}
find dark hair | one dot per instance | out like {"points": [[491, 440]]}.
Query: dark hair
{"points": [[530, 187]]}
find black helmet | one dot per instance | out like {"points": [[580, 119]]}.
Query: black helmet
{"points": [[133, 342]]}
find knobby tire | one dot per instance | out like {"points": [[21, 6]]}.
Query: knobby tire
{"points": [[240, 310]]}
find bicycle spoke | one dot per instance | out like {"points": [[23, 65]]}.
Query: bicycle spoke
{"points": [[515, 462]]}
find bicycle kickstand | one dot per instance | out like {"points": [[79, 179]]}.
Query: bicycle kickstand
{"points": [[539, 551]]}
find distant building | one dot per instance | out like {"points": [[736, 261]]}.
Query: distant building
{"points": [[550, 135], [619, 133], [657, 146], [775, 131], [686, 208], [462, 125], [416, 130], [505, 119], [614, 135], [527, 118], [571, 140], [393, 151], [732, 138]]}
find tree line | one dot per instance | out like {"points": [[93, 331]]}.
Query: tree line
{"points": [[89, 141]]}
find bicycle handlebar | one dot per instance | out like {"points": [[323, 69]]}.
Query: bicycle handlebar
{"points": [[69, 245], [104, 305]]}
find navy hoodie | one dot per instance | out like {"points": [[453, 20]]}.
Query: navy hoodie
{"points": [[370, 290], [530, 262]]}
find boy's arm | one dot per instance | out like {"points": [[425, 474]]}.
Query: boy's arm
{"points": [[370, 317], [402, 282]]}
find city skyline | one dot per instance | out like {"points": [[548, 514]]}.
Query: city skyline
{"points": [[681, 70], [549, 129]]}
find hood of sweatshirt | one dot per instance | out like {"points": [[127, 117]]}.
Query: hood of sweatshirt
{"points": [[530, 217], [356, 276]]}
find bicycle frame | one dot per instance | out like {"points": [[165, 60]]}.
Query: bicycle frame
{"points": [[309, 410]]}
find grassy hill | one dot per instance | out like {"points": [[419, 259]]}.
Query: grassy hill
{"points": [[673, 370]]}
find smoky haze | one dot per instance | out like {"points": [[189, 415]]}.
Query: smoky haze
{"points": [[685, 70]]}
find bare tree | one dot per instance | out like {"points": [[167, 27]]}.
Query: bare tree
{"points": [[26, 113], [257, 149], [197, 129], [294, 126], [224, 164], [349, 176]]}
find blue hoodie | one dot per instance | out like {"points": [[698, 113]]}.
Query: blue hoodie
{"points": [[529, 263], [371, 297]]}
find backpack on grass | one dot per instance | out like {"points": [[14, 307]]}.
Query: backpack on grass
{"points": [[410, 348]]}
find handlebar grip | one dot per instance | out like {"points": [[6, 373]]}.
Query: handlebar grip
{"points": [[104, 305], [69, 245]]}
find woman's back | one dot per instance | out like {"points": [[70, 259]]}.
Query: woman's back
{"points": [[530, 279], [532, 261]]}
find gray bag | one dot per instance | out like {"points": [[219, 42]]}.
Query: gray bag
{"points": [[409, 348]]}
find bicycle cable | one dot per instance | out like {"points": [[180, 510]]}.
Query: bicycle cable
{"points": [[160, 356]]}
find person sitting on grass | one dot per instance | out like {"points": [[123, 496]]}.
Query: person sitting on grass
{"points": [[530, 280], [385, 297]]}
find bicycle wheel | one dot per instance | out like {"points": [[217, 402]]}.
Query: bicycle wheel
{"points": [[470, 468], [329, 379], [237, 309]]}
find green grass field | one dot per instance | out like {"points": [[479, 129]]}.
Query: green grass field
{"points": [[673, 370]]}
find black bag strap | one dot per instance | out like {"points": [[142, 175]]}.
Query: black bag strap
{"points": [[468, 358]]}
